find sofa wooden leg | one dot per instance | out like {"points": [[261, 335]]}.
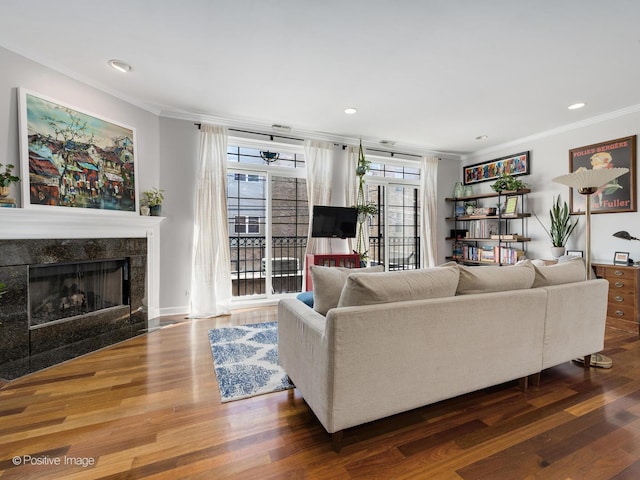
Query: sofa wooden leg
{"points": [[535, 379], [523, 383], [336, 440], [587, 361]]}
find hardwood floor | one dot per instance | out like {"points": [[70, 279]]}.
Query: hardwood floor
{"points": [[150, 408]]}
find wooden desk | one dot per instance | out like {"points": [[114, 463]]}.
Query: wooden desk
{"points": [[623, 310]]}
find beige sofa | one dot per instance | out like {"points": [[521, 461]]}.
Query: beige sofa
{"points": [[396, 341]]}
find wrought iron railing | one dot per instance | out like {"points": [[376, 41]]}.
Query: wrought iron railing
{"points": [[249, 267], [404, 252]]}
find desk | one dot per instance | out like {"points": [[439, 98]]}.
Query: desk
{"points": [[623, 312]]}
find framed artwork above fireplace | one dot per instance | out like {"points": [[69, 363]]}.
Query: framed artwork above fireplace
{"points": [[72, 159]]}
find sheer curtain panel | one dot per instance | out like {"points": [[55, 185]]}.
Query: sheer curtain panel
{"points": [[211, 269], [428, 212], [319, 159]]}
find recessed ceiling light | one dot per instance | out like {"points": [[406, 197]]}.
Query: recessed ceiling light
{"points": [[482, 137], [350, 110], [576, 106], [121, 66]]}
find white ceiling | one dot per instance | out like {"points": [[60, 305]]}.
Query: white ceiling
{"points": [[432, 74]]}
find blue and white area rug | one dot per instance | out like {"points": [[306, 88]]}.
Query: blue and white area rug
{"points": [[246, 360]]}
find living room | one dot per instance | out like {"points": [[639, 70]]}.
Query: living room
{"points": [[167, 154]]}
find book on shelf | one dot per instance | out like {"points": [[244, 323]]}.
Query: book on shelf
{"points": [[507, 236]]}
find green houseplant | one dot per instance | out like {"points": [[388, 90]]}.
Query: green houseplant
{"points": [[6, 179], [365, 209], [562, 225], [154, 198], [508, 183]]}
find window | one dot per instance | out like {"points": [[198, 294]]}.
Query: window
{"points": [[394, 232], [246, 224], [268, 220]]}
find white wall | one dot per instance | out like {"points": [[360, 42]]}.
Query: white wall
{"points": [[18, 71], [549, 159], [179, 141]]}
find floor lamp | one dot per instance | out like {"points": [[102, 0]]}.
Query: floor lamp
{"points": [[587, 182]]}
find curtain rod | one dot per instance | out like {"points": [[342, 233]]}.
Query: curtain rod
{"points": [[272, 136]]}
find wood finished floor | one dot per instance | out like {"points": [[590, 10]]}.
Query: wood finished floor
{"points": [[150, 408]]}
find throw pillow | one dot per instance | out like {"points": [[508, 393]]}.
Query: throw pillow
{"points": [[486, 279], [306, 297], [399, 286], [328, 283], [565, 272]]}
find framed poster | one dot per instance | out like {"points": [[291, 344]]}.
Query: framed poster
{"points": [[620, 194], [513, 165], [73, 159]]}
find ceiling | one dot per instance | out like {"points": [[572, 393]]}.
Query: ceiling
{"points": [[430, 74]]}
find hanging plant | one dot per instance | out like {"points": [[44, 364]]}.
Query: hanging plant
{"points": [[365, 209]]}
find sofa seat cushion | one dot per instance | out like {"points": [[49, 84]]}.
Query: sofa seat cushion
{"points": [[328, 283], [560, 273], [375, 288], [487, 279]]}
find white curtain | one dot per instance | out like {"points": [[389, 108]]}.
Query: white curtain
{"points": [[318, 157], [428, 212], [211, 268], [351, 188]]}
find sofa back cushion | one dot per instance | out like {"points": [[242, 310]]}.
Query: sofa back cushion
{"points": [[328, 283], [399, 286], [486, 279], [562, 272]]}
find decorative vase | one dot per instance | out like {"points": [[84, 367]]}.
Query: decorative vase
{"points": [[458, 190], [156, 210], [468, 191], [4, 191], [145, 210], [557, 252]]}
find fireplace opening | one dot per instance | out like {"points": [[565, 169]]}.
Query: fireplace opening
{"points": [[62, 291]]}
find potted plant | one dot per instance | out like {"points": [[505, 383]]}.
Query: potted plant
{"points": [[562, 226], [508, 183], [6, 179], [365, 209], [154, 199]]}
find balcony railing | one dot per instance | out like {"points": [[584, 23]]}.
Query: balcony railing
{"points": [[249, 266]]}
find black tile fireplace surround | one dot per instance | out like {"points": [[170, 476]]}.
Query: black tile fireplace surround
{"points": [[26, 348]]}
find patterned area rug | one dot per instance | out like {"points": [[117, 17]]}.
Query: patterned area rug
{"points": [[246, 360]]}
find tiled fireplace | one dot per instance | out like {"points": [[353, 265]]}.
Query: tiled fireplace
{"points": [[67, 297]]}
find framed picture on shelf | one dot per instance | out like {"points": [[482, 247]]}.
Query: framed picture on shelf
{"points": [[514, 165], [575, 253], [511, 206], [617, 196], [621, 258]]}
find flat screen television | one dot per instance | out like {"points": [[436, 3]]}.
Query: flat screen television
{"points": [[334, 222]]}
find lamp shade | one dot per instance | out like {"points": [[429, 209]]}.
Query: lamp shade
{"points": [[584, 178]]}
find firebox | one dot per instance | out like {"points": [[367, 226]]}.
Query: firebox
{"points": [[63, 291]]}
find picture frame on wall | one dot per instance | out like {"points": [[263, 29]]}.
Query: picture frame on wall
{"points": [[75, 160], [621, 258], [514, 165], [620, 194]]}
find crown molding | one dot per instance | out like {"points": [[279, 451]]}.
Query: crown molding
{"points": [[557, 131]]}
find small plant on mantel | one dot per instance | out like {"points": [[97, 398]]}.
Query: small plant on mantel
{"points": [[154, 198], [7, 177], [508, 183]]}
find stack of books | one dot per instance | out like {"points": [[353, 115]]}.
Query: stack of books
{"points": [[7, 202]]}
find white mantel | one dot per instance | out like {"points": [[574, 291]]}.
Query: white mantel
{"points": [[52, 222]]}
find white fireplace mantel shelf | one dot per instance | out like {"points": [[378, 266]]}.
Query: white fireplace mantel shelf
{"points": [[18, 223]]}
